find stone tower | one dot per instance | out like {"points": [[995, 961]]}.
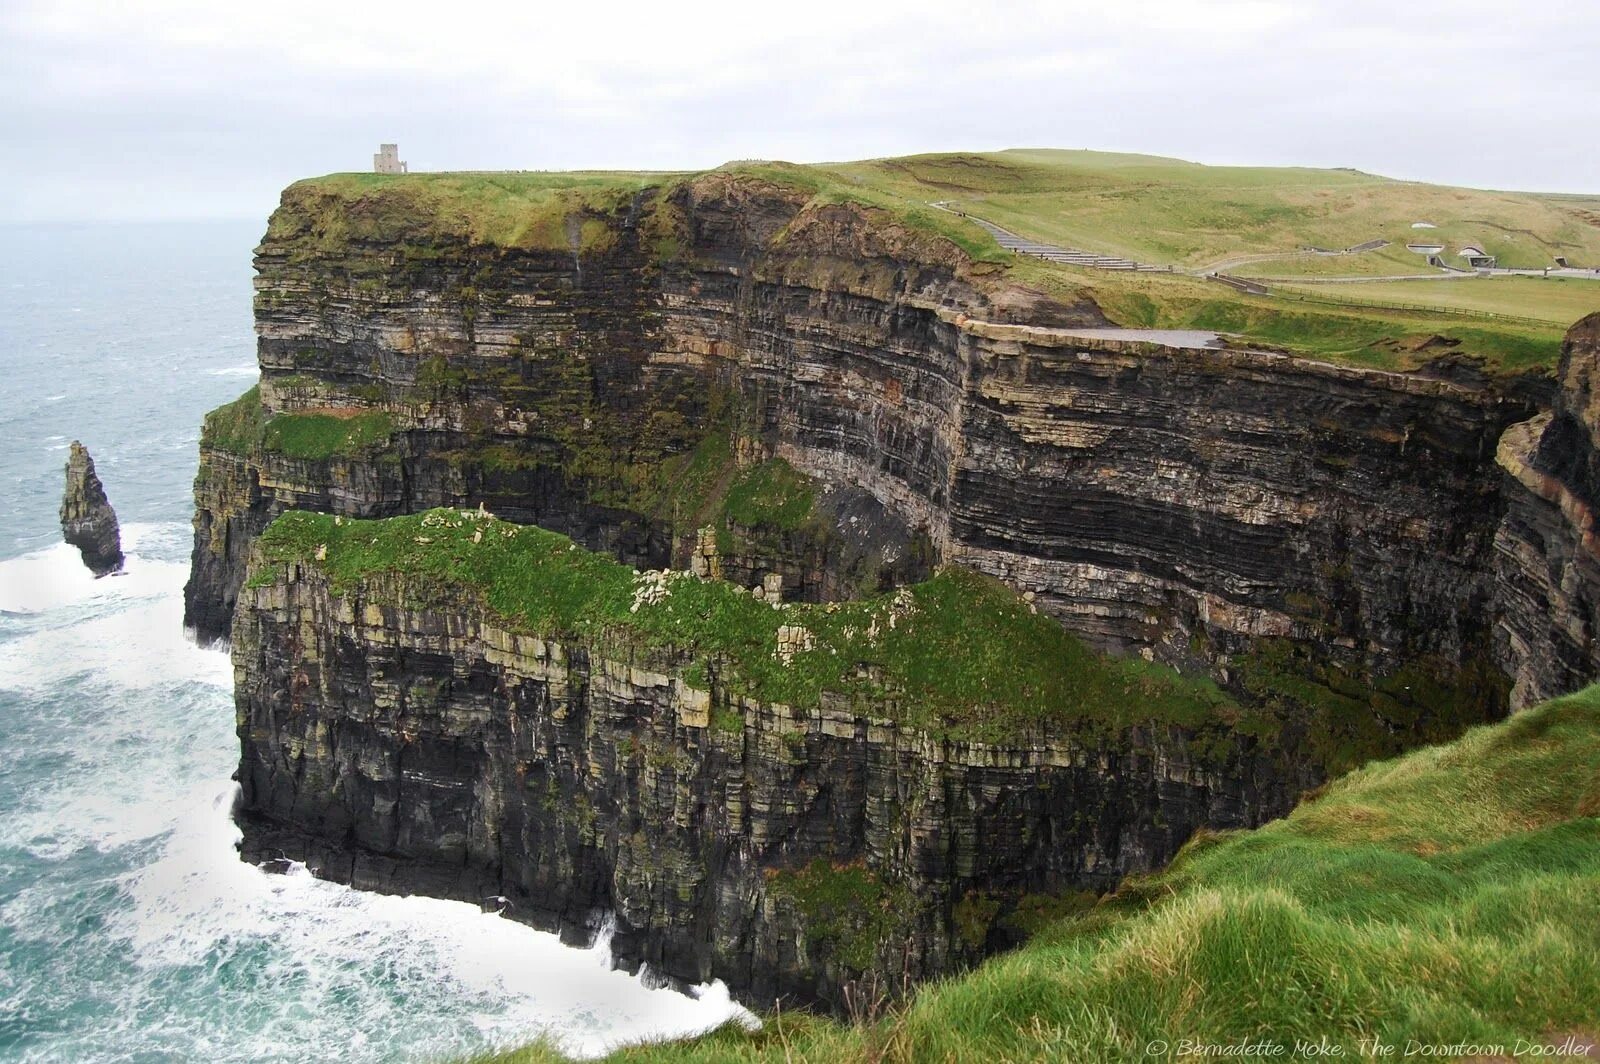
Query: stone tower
{"points": [[387, 161]]}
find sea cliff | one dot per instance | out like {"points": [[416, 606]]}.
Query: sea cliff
{"points": [[732, 375], [808, 802]]}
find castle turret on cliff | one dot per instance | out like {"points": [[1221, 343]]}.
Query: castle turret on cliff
{"points": [[387, 160]]}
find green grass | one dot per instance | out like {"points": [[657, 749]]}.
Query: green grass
{"points": [[830, 185], [1169, 211], [1557, 300], [688, 486], [771, 494], [1353, 335], [957, 655], [1449, 896], [242, 427], [1393, 260], [423, 211], [235, 427], [1149, 208], [316, 436], [848, 909]]}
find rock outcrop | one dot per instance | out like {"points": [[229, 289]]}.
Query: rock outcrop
{"points": [[87, 520], [1548, 572], [1191, 503]]}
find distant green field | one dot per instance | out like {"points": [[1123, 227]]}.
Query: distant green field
{"points": [[1167, 211], [1560, 300], [1393, 260], [1352, 334]]}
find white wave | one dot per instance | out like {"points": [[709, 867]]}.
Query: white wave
{"points": [[112, 694], [158, 537], [198, 901], [249, 370], [55, 576], [225, 961], [139, 646], [130, 718]]}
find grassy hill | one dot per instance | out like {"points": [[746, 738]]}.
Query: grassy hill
{"points": [[1450, 897], [1560, 300], [1167, 211], [1254, 221]]}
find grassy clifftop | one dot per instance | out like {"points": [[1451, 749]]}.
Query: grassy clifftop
{"points": [[1157, 210], [1449, 899], [510, 209], [1152, 209], [959, 654], [241, 427]]}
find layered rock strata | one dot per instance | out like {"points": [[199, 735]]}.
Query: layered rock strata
{"points": [[1548, 554], [1188, 502], [398, 736]]}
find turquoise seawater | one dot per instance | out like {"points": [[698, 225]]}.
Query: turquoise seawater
{"points": [[129, 929]]}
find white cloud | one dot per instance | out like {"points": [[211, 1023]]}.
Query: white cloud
{"points": [[173, 107]]}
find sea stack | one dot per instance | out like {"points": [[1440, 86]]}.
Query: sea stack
{"points": [[87, 520]]}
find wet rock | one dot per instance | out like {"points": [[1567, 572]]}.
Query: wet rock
{"points": [[87, 520]]}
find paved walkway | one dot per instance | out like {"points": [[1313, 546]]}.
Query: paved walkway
{"points": [[1055, 252], [1187, 338]]}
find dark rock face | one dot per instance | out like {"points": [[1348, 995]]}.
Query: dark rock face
{"points": [[1548, 555], [87, 520], [403, 742]]}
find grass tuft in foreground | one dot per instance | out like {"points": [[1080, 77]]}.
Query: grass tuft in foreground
{"points": [[1448, 899]]}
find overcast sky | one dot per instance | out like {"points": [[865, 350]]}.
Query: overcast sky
{"points": [[207, 108]]}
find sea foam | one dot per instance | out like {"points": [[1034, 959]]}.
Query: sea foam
{"points": [[127, 728]]}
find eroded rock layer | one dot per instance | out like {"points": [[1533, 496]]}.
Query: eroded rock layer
{"points": [[1187, 501]]}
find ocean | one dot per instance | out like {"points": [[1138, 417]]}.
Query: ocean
{"points": [[129, 929]]}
